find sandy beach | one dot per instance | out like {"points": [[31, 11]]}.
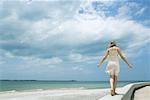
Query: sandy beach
{"points": [[62, 94]]}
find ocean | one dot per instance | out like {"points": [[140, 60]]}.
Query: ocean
{"points": [[27, 85]]}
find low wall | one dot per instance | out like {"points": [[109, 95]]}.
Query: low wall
{"points": [[134, 87], [127, 92]]}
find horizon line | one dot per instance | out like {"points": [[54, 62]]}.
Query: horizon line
{"points": [[69, 80]]}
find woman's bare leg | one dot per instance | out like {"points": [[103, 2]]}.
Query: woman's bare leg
{"points": [[115, 83], [112, 84]]}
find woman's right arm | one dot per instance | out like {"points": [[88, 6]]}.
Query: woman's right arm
{"points": [[123, 58], [104, 58]]}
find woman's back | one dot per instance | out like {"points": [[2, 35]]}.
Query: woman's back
{"points": [[113, 54], [113, 61]]}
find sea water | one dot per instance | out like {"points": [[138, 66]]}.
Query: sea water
{"points": [[23, 85]]}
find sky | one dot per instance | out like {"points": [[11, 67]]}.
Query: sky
{"points": [[66, 39]]}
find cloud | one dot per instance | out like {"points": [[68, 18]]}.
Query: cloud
{"points": [[76, 57], [59, 33], [42, 62], [140, 12], [29, 61], [54, 32], [77, 68], [123, 12], [73, 32]]}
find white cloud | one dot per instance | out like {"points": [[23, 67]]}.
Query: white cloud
{"points": [[123, 12], [137, 46], [61, 29], [76, 57], [31, 60], [77, 68], [92, 30], [140, 12], [1, 2], [80, 31], [42, 62]]}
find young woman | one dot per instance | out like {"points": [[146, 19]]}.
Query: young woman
{"points": [[113, 67]]}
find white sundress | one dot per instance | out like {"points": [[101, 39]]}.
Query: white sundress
{"points": [[113, 67]]}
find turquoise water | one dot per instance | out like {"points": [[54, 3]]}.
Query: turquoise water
{"points": [[33, 85]]}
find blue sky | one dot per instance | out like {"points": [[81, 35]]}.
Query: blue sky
{"points": [[65, 39]]}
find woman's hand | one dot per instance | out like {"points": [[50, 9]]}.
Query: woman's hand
{"points": [[130, 66], [98, 65]]}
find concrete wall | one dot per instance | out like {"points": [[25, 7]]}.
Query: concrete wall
{"points": [[129, 95], [126, 92]]}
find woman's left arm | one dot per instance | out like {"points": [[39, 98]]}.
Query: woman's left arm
{"points": [[123, 58], [104, 58]]}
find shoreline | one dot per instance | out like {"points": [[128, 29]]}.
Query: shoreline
{"points": [[53, 89], [69, 93], [57, 94], [13, 85]]}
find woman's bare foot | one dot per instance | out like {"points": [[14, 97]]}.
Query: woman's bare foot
{"points": [[116, 93], [112, 93]]}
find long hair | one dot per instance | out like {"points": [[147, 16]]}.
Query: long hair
{"points": [[112, 44]]}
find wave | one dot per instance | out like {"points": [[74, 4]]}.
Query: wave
{"points": [[11, 91]]}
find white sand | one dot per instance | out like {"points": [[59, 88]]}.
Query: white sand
{"points": [[62, 94]]}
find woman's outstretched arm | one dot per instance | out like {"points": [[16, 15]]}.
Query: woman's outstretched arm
{"points": [[123, 58], [104, 58]]}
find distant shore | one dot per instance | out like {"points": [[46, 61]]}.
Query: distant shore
{"points": [[76, 80]]}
